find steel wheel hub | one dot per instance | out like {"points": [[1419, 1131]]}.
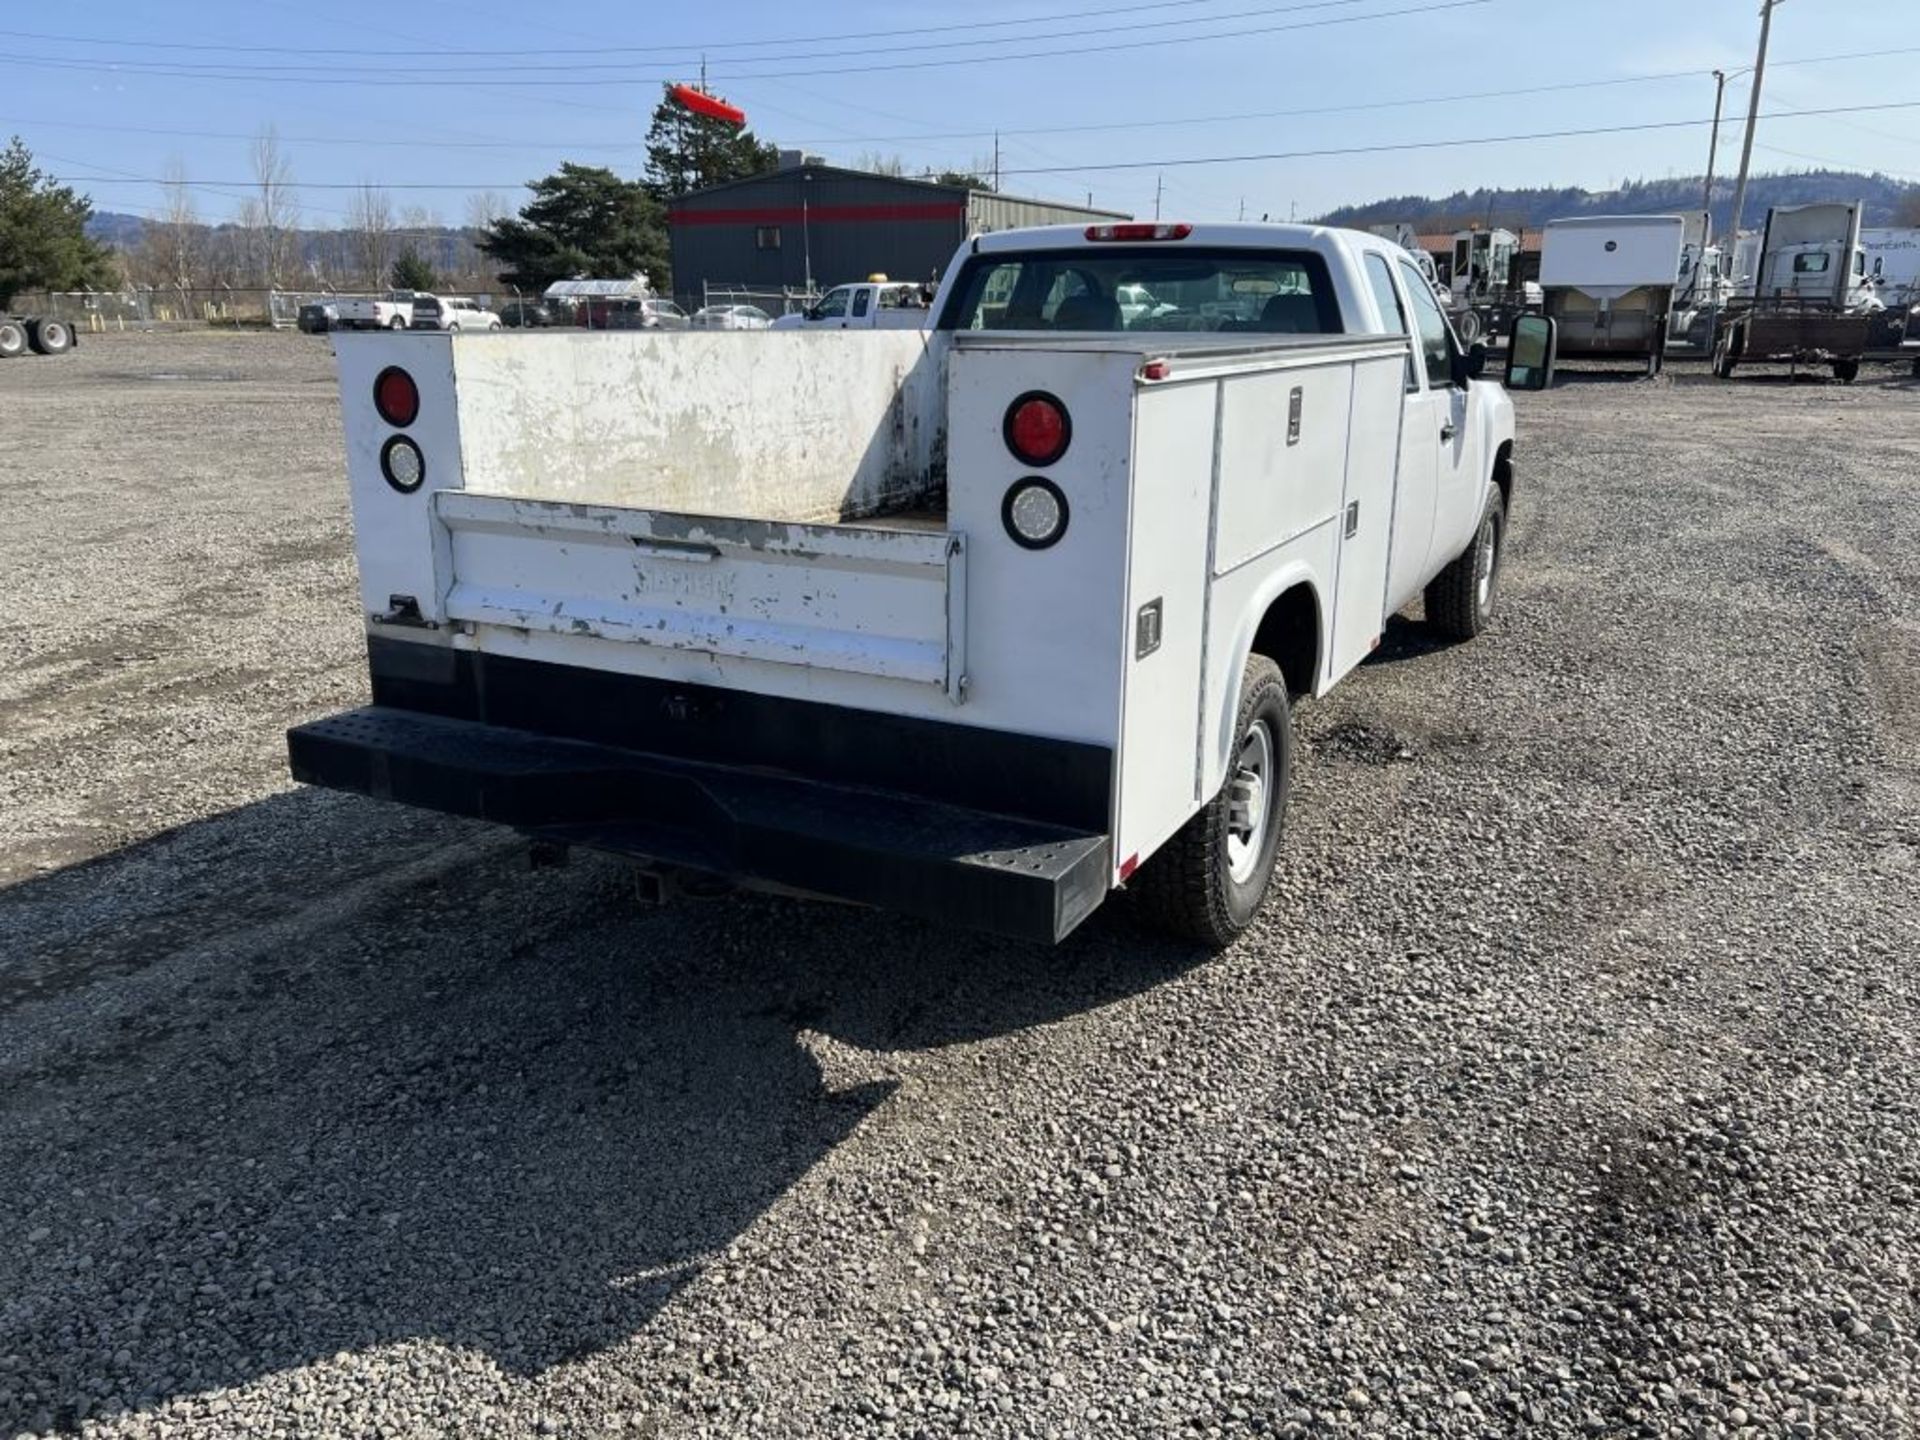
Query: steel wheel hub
{"points": [[1249, 789]]}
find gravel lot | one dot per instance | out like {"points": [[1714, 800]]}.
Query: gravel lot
{"points": [[1571, 1085]]}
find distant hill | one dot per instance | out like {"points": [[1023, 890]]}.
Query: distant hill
{"points": [[1515, 209]]}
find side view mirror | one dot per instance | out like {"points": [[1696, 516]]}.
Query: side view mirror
{"points": [[1530, 352]]}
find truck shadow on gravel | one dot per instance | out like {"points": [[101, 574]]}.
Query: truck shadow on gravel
{"points": [[318, 1076]]}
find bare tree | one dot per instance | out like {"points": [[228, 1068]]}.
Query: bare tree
{"points": [[370, 218], [874, 163], [271, 215], [173, 246]]}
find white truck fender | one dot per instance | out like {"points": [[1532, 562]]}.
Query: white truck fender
{"points": [[1220, 726]]}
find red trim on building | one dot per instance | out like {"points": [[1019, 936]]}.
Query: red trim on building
{"points": [[795, 215]]}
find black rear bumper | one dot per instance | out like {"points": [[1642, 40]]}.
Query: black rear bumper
{"points": [[929, 857]]}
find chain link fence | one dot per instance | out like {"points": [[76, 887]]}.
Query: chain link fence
{"points": [[155, 307], [785, 300]]}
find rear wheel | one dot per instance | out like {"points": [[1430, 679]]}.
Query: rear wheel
{"points": [[1846, 371], [13, 339], [1461, 599], [1467, 326], [1207, 882], [397, 323], [1726, 352], [50, 337]]}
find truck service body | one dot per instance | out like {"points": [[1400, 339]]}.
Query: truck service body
{"points": [[975, 621]]}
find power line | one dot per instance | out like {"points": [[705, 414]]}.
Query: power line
{"points": [[1441, 144], [575, 63], [262, 73], [693, 49], [1158, 122], [1179, 162]]}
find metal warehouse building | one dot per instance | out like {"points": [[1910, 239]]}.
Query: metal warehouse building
{"points": [[811, 222]]}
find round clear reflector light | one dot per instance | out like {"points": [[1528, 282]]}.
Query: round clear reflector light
{"points": [[402, 464], [1035, 513]]}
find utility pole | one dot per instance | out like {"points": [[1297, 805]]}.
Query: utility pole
{"points": [[996, 162], [1713, 150], [1243, 207], [1753, 118], [1158, 182]]}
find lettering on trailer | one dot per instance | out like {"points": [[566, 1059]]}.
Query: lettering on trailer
{"points": [[668, 582]]}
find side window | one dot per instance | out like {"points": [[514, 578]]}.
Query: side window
{"points": [[1436, 345], [833, 304], [862, 298], [1392, 313]]}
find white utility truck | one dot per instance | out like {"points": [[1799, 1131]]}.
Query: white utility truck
{"points": [[978, 622], [870, 305], [1608, 283]]}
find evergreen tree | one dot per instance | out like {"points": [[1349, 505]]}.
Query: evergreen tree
{"points": [[413, 271], [687, 152], [43, 232], [582, 221]]}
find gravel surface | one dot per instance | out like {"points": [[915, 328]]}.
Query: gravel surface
{"points": [[1570, 1086]]}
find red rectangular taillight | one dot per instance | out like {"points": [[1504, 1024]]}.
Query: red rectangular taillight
{"points": [[1139, 231]]}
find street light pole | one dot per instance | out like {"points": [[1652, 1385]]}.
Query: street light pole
{"points": [[1753, 117], [1713, 151]]}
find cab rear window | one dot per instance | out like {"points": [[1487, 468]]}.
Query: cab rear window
{"points": [[1150, 288]]}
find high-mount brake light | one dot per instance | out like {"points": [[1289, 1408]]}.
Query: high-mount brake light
{"points": [[1139, 231], [396, 397], [1037, 429]]}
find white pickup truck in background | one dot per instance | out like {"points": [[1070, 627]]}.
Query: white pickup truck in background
{"points": [[870, 305], [980, 622], [395, 312]]}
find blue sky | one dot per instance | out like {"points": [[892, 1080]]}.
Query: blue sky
{"points": [[114, 91]]}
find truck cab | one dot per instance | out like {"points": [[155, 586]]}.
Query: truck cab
{"points": [[869, 305]]}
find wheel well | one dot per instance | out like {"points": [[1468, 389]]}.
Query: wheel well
{"points": [[1503, 477], [1289, 635]]}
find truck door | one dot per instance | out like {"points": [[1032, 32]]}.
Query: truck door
{"points": [[1444, 426], [1418, 470], [860, 316]]}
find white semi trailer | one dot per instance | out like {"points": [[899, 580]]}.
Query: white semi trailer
{"points": [[980, 622]]}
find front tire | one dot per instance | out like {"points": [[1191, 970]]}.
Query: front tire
{"points": [[13, 339], [1462, 597], [1208, 882]]}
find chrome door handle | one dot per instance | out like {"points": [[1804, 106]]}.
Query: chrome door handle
{"points": [[1446, 432]]}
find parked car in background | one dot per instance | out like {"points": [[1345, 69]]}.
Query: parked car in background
{"points": [[732, 317], [395, 312], [451, 312], [317, 317], [527, 315]]}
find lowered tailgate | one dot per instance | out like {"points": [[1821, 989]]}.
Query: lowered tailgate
{"points": [[868, 599]]}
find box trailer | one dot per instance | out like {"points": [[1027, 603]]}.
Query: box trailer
{"points": [[1608, 283]]}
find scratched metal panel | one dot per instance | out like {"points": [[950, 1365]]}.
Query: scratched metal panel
{"points": [[860, 599], [774, 426]]}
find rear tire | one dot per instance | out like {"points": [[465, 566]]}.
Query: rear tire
{"points": [[1846, 371], [50, 337], [1467, 327], [13, 339], [396, 323], [1208, 882], [1462, 597]]}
